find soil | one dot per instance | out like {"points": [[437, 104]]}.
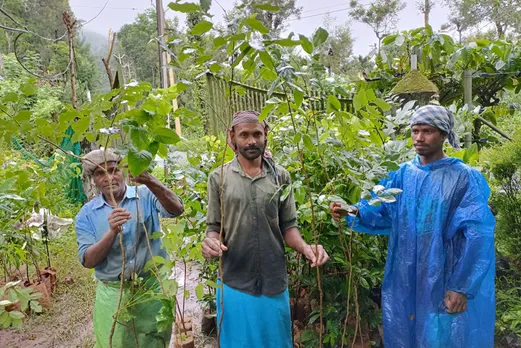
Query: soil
{"points": [[63, 329], [69, 324]]}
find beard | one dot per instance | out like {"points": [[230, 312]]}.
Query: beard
{"points": [[251, 152]]}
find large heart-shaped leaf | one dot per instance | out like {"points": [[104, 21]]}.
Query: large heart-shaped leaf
{"points": [[202, 27], [184, 7], [166, 136], [138, 161]]}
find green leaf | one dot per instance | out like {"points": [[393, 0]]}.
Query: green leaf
{"points": [[166, 136], [5, 319], [28, 89], [184, 7], [257, 25], [364, 283], [266, 59], [199, 291], [81, 125], [10, 97], [215, 68], [286, 42], [391, 165], [307, 46], [23, 116], [400, 40], [213, 284], [382, 104], [298, 97], [389, 39], [334, 102], [139, 138], [202, 27], [500, 64], [268, 7], [370, 95], [266, 110], [453, 60], [36, 307], [219, 42], [320, 36], [16, 315], [138, 162], [308, 143]]}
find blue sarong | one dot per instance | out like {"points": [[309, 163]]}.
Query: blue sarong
{"points": [[254, 321]]}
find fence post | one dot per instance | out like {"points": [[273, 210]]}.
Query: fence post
{"points": [[467, 89]]}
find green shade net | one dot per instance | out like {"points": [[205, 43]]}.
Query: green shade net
{"points": [[75, 189]]}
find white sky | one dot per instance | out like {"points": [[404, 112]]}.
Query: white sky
{"points": [[120, 12]]}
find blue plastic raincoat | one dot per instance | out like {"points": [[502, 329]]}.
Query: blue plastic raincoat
{"points": [[441, 237]]}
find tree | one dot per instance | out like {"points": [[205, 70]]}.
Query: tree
{"points": [[43, 17], [505, 15], [138, 45], [425, 7], [338, 48], [380, 15], [275, 21]]}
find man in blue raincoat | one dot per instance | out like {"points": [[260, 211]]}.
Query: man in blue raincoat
{"points": [[438, 287]]}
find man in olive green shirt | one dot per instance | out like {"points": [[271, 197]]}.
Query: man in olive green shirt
{"points": [[256, 224]]}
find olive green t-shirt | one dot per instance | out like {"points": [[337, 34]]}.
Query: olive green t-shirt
{"points": [[255, 219]]}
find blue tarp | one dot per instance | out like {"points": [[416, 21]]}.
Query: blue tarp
{"points": [[441, 237]]}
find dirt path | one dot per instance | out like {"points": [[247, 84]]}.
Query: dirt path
{"points": [[192, 309]]}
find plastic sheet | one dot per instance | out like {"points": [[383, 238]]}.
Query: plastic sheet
{"points": [[441, 237]]}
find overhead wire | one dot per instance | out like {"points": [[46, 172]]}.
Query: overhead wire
{"points": [[27, 31]]}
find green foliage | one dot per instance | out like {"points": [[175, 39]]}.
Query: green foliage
{"points": [[17, 296], [138, 44], [380, 15], [503, 163]]}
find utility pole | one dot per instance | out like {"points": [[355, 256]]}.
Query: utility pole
{"points": [[167, 72], [70, 24], [163, 68]]}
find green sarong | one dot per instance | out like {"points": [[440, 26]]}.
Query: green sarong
{"points": [[142, 327]]}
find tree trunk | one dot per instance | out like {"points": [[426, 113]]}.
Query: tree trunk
{"points": [[426, 12], [500, 30]]}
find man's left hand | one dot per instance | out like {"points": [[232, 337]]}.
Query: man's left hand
{"points": [[316, 254], [455, 302], [143, 178]]}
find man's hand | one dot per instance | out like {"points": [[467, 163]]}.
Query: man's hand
{"points": [[117, 219], [316, 254], [212, 247], [143, 178], [455, 302], [337, 211]]}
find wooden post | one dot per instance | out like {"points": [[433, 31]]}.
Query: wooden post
{"points": [[467, 89], [70, 24]]}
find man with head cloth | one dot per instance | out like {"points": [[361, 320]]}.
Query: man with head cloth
{"points": [[438, 287], [256, 224], [123, 210]]}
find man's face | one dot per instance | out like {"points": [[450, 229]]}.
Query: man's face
{"points": [[427, 139], [250, 140], [114, 177]]}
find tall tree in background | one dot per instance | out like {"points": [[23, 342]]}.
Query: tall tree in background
{"points": [[138, 45], [337, 50], [505, 15], [43, 17], [380, 15], [463, 15], [276, 22], [425, 7]]}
